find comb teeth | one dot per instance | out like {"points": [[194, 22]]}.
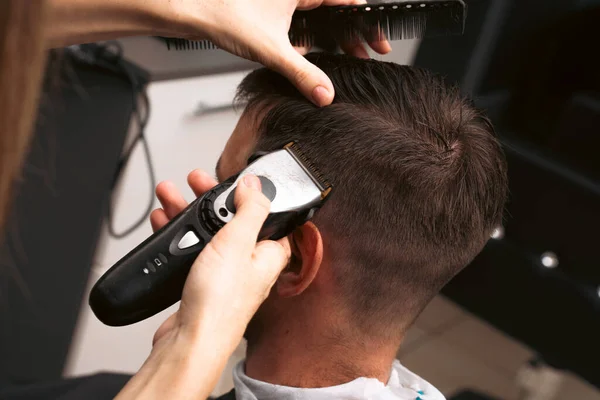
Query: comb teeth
{"points": [[183, 44], [369, 22], [316, 175], [376, 22]]}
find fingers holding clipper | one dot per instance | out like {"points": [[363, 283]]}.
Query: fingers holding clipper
{"points": [[170, 198], [251, 204], [252, 209], [272, 257], [200, 182], [158, 219]]}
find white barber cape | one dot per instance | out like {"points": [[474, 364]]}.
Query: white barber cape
{"points": [[402, 385]]}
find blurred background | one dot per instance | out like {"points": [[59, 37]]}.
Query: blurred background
{"points": [[521, 322]]}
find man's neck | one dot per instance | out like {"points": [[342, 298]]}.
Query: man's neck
{"points": [[297, 358]]}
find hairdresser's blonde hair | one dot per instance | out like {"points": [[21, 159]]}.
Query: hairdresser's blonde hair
{"points": [[22, 58]]}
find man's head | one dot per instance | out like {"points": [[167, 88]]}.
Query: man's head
{"points": [[419, 183]]}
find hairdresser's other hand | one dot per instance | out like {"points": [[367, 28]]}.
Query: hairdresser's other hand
{"points": [[233, 274], [258, 30]]}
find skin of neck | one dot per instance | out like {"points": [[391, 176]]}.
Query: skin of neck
{"points": [[308, 341]]}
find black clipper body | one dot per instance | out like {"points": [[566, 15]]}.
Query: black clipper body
{"points": [[151, 277]]}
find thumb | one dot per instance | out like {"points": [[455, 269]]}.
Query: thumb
{"points": [[252, 209], [270, 258], [313, 83]]}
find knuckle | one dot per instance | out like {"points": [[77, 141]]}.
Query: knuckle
{"points": [[269, 248], [274, 253], [269, 53], [277, 249]]}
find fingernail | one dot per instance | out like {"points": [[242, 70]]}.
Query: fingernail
{"points": [[320, 96], [252, 182]]}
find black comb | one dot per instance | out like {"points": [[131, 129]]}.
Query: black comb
{"points": [[368, 22]]}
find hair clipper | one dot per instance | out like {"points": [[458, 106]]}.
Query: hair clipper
{"points": [[151, 277]]}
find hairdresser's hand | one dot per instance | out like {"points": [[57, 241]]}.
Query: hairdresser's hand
{"points": [[253, 29], [227, 283], [233, 274], [258, 30]]}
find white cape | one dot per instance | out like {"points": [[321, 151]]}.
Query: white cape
{"points": [[402, 385]]}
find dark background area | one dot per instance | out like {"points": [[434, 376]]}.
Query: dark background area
{"points": [[534, 67], [56, 217]]}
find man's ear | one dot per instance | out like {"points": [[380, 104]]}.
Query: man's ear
{"points": [[306, 260]]}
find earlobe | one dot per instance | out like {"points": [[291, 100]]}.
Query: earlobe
{"points": [[306, 260]]}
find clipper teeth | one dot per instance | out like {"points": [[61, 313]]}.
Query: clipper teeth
{"points": [[322, 182]]}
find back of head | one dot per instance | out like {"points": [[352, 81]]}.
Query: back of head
{"points": [[419, 178]]}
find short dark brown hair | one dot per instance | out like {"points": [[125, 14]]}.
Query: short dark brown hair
{"points": [[419, 177]]}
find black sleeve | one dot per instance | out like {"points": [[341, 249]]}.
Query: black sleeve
{"points": [[96, 387], [227, 396]]}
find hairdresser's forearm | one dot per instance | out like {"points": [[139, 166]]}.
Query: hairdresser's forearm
{"points": [[185, 366], [84, 21], [172, 373]]}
